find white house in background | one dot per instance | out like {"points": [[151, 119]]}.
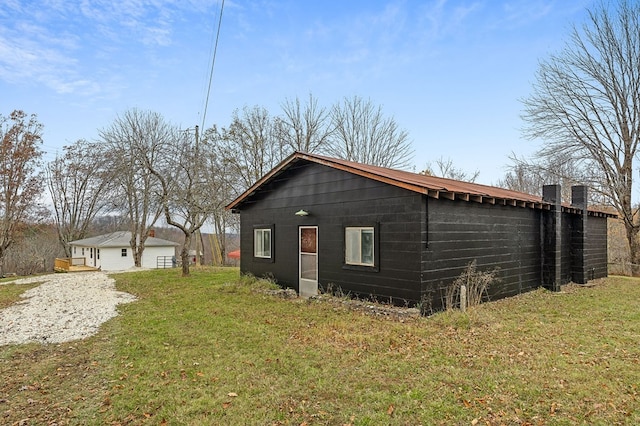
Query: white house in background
{"points": [[112, 252]]}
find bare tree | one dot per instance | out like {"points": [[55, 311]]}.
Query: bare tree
{"points": [[529, 176], [446, 169], [362, 133], [36, 250], [134, 141], [186, 194], [108, 223], [223, 221], [21, 184], [77, 181], [586, 105], [222, 191], [305, 127], [248, 147]]}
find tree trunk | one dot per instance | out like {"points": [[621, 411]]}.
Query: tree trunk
{"points": [[184, 254], [136, 259], [634, 248], [202, 259]]}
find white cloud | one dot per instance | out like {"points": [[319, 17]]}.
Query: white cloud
{"points": [[77, 86], [58, 43], [442, 19], [517, 13]]}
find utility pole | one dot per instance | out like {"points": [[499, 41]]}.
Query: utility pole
{"points": [[197, 176]]}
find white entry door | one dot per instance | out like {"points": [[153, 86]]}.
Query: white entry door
{"points": [[308, 261]]}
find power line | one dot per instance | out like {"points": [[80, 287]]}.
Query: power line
{"points": [[213, 62]]}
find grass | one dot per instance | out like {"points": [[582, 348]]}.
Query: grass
{"points": [[11, 293], [210, 349]]}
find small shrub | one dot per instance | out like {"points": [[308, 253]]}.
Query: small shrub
{"points": [[425, 305], [476, 282], [336, 291]]}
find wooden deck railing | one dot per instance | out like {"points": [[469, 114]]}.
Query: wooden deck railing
{"points": [[67, 263]]}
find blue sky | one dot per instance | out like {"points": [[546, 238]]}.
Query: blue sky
{"points": [[450, 72]]}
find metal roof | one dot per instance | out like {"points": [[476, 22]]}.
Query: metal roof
{"points": [[120, 239], [432, 186]]}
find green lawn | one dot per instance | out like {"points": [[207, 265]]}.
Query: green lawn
{"points": [[10, 293], [211, 349]]}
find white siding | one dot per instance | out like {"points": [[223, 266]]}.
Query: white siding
{"points": [[82, 252], [150, 255], [111, 259]]}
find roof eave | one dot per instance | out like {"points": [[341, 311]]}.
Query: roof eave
{"points": [[253, 188], [433, 192]]}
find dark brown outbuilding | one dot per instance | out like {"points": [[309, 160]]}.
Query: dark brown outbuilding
{"points": [[318, 222]]}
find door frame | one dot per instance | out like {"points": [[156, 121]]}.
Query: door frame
{"points": [[307, 287]]}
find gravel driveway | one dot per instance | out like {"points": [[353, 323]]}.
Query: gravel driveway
{"points": [[65, 307]]}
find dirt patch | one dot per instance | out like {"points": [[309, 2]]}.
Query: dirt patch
{"points": [[389, 311], [370, 308]]}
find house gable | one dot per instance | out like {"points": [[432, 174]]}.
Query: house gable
{"points": [[336, 199]]}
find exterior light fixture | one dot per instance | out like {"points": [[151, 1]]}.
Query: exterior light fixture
{"points": [[302, 212]]}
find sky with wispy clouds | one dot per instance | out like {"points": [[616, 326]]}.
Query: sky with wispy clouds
{"points": [[450, 72]]}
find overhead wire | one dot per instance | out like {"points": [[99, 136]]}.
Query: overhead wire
{"points": [[213, 62]]}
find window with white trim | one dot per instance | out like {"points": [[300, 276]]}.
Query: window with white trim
{"points": [[359, 245], [123, 252], [262, 243]]}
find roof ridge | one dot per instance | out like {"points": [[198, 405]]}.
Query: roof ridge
{"points": [[432, 186]]}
